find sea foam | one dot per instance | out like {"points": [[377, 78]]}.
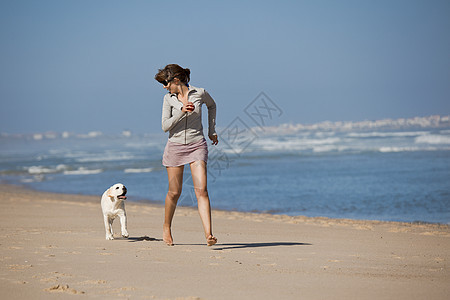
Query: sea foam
{"points": [[138, 170], [83, 171], [433, 139]]}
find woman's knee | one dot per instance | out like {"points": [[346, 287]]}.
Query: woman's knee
{"points": [[174, 194], [201, 192]]}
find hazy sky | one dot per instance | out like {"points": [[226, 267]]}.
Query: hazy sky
{"points": [[89, 65]]}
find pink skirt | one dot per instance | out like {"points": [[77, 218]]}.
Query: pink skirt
{"points": [[176, 154]]}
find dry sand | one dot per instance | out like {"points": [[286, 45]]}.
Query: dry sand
{"points": [[53, 246]]}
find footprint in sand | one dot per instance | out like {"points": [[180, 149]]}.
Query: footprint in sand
{"points": [[93, 282], [20, 267], [63, 288]]}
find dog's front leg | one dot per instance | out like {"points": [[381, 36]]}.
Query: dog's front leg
{"points": [[123, 224], [108, 228]]}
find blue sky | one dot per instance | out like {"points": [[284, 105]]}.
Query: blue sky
{"points": [[89, 65]]}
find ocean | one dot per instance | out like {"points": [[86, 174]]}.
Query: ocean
{"points": [[389, 170]]}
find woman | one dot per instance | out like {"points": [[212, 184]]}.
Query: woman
{"points": [[182, 117]]}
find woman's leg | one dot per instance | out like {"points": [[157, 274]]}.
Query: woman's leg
{"points": [[199, 178], [175, 176]]}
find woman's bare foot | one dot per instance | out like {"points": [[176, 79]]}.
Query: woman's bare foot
{"points": [[167, 235], [211, 240]]}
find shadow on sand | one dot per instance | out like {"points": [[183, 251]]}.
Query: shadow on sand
{"points": [[226, 246], [143, 238], [223, 246]]}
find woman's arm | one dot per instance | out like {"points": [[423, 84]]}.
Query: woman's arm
{"points": [[169, 121], [211, 105]]}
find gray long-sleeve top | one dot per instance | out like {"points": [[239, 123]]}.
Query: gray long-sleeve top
{"points": [[186, 128]]}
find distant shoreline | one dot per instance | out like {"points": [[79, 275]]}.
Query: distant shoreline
{"points": [[414, 123]]}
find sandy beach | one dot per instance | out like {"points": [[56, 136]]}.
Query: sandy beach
{"points": [[53, 246]]}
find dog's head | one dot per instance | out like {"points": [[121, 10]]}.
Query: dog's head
{"points": [[117, 191]]}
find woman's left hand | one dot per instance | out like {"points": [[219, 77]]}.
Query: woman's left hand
{"points": [[214, 139]]}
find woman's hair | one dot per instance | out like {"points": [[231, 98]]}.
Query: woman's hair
{"points": [[171, 72]]}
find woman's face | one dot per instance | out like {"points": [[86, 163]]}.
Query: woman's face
{"points": [[171, 86], [167, 85]]}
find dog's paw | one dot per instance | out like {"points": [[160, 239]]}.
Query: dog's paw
{"points": [[109, 237], [125, 234]]}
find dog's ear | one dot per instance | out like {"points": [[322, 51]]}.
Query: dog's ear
{"points": [[108, 193]]}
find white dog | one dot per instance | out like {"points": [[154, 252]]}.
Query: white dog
{"points": [[112, 206]]}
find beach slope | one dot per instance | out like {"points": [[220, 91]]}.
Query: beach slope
{"points": [[53, 246]]}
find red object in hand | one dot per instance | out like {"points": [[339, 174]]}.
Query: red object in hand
{"points": [[190, 106]]}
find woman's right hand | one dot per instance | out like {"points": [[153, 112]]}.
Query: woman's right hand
{"points": [[189, 107]]}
